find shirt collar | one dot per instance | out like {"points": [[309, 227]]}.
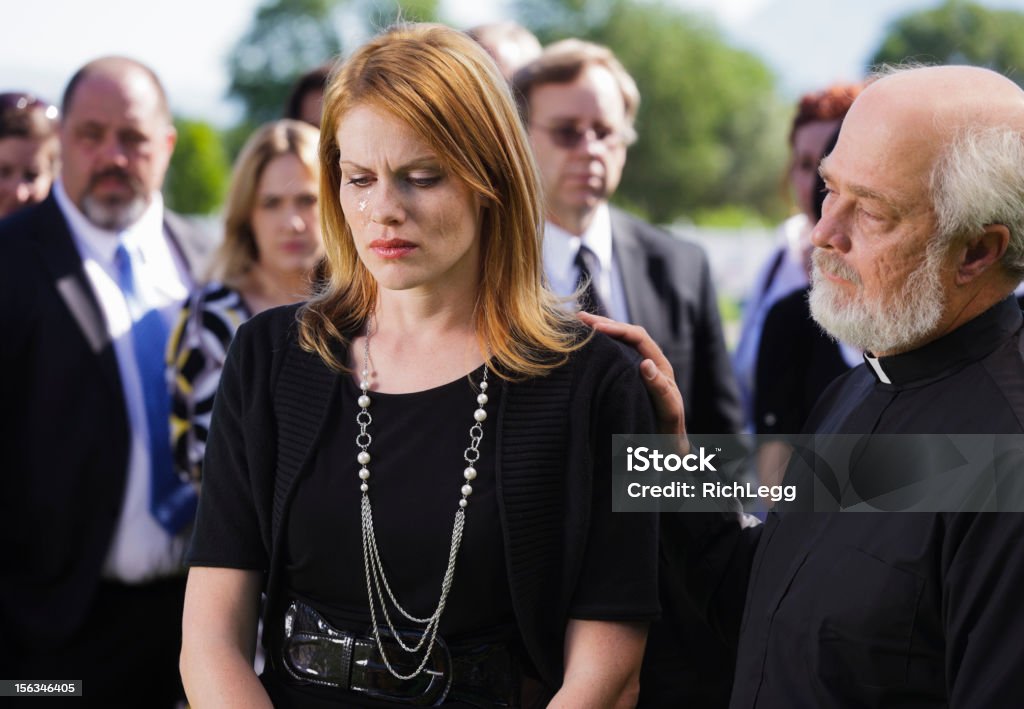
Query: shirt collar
{"points": [[142, 236], [968, 343], [560, 246]]}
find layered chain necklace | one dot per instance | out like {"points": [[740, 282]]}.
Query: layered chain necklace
{"points": [[378, 589]]}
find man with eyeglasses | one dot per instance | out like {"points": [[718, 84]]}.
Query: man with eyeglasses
{"points": [[94, 519], [579, 105]]}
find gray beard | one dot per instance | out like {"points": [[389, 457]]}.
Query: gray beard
{"points": [[113, 216], [896, 323]]}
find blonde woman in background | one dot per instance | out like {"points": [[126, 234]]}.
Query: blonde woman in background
{"points": [[271, 247]]}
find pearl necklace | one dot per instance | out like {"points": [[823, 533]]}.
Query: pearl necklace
{"points": [[377, 586]]}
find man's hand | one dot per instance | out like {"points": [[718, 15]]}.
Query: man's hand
{"points": [[654, 369]]}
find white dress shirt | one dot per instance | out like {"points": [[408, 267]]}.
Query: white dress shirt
{"points": [[141, 549], [560, 249]]}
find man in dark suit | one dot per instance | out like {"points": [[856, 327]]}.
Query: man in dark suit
{"points": [[579, 104], [94, 530]]}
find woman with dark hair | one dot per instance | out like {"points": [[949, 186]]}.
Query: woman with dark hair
{"points": [[306, 97], [817, 118], [29, 150], [434, 374]]}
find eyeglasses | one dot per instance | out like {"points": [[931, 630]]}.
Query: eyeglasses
{"points": [[19, 101], [569, 136]]}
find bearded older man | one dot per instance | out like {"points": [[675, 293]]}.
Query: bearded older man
{"points": [[94, 520], [919, 248]]}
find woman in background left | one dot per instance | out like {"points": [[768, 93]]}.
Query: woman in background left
{"points": [[29, 150], [270, 251]]}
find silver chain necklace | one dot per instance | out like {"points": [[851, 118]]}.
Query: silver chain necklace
{"points": [[378, 590]]}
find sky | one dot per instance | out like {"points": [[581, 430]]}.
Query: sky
{"points": [[808, 43]]}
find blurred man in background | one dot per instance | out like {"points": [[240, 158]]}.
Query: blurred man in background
{"points": [[509, 43], [580, 104], [94, 517]]}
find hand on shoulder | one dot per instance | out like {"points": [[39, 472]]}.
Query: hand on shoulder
{"points": [[655, 371]]}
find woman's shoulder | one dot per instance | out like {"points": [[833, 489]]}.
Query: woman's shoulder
{"points": [[219, 301], [606, 354], [216, 291], [274, 327], [599, 363]]}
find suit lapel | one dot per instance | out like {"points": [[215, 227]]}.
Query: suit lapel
{"points": [[191, 245], [635, 265], [64, 264]]}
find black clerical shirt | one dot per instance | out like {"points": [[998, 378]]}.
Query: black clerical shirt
{"points": [[970, 381], [855, 609]]}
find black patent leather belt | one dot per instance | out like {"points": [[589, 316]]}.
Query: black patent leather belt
{"points": [[315, 652]]}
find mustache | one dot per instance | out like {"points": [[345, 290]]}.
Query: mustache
{"points": [[117, 173], [832, 264]]}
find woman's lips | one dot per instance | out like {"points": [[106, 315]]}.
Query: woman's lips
{"points": [[391, 248], [295, 247]]}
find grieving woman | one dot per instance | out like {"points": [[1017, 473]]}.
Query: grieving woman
{"points": [[415, 465]]}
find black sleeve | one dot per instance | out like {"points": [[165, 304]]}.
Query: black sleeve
{"points": [[984, 620], [618, 578], [228, 530], [706, 561]]}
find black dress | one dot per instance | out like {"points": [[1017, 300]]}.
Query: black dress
{"points": [[416, 474], [280, 495]]}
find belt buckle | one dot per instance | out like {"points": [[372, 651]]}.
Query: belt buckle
{"points": [[371, 677], [314, 651]]}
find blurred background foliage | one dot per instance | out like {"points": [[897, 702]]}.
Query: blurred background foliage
{"points": [[958, 32], [713, 123], [197, 179]]}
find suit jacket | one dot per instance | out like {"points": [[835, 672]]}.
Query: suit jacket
{"points": [[669, 292], [65, 450]]}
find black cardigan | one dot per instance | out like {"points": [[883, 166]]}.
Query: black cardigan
{"points": [[553, 475]]}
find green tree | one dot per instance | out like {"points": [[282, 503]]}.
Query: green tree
{"points": [[711, 126], [198, 175], [289, 37], [958, 32], [286, 38]]}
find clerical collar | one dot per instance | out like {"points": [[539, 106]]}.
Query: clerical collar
{"points": [[968, 343]]}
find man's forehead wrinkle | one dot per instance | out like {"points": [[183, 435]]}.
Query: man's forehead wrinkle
{"points": [[896, 199]]}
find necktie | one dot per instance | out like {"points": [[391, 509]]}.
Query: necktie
{"points": [[171, 501], [589, 268]]}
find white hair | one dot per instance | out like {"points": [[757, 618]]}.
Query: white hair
{"points": [[978, 180]]}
